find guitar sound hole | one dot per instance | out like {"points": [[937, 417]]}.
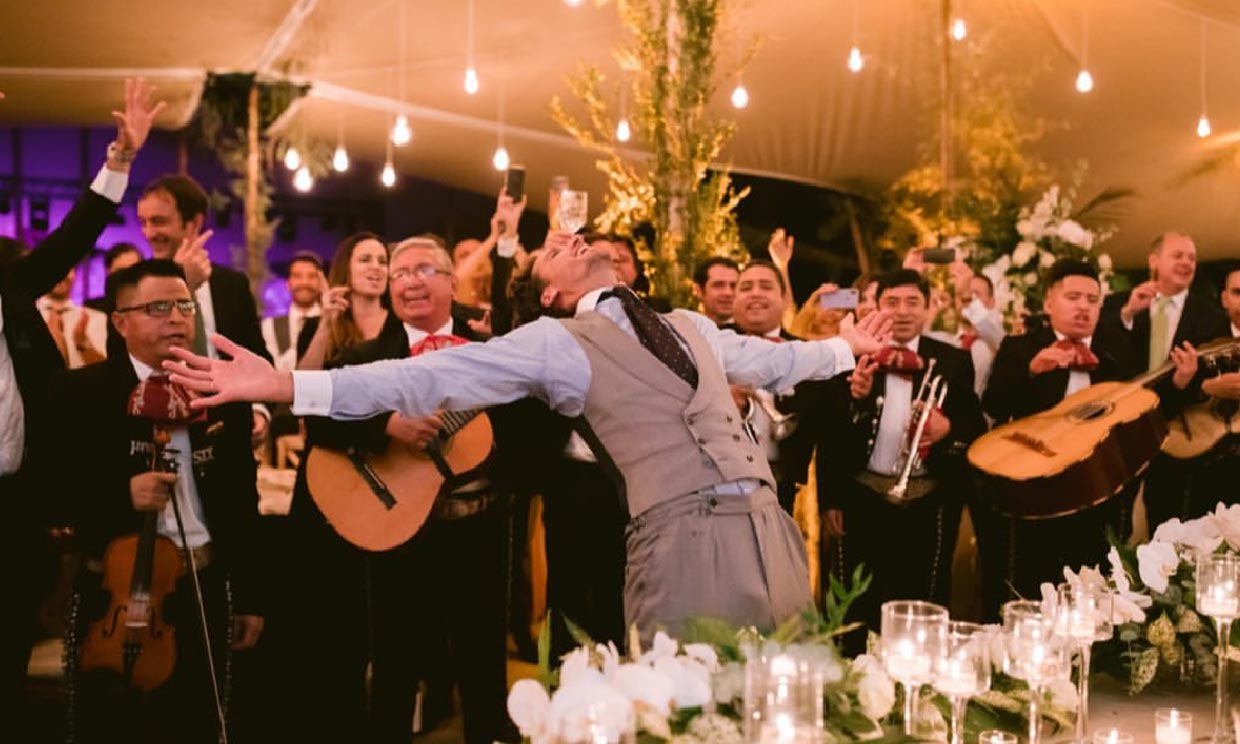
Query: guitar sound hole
{"points": [[1091, 411]]}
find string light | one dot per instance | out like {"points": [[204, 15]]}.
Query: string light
{"points": [[302, 180], [340, 158], [740, 96], [1203, 124], [573, 3], [960, 29], [292, 158], [1084, 79], [401, 133], [856, 63], [388, 176], [500, 159], [623, 132], [471, 73]]}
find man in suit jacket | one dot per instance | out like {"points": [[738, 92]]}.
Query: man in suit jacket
{"points": [[455, 563], [28, 361], [172, 212], [867, 435], [1161, 316], [115, 481], [1032, 373]]}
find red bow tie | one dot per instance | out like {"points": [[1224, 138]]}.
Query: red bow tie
{"points": [[1083, 360], [435, 342], [967, 340], [162, 401], [898, 360]]}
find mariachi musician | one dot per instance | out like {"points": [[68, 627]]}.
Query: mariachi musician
{"points": [[1033, 373], [905, 541], [442, 591], [111, 483]]}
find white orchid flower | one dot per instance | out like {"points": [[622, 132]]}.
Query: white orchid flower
{"points": [[1156, 563], [528, 707]]}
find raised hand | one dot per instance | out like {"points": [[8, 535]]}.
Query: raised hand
{"points": [[247, 377], [335, 302], [507, 214], [1051, 358], [780, 248], [861, 381], [869, 335], [194, 259], [1139, 299], [133, 125]]}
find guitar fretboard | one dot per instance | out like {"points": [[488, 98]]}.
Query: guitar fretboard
{"points": [[454, 421]]}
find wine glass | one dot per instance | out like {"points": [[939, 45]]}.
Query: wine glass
{"points": [[1036, 653], [1218, 597], [912, 634], [962, 669], [1083, 616], [572, 211]]}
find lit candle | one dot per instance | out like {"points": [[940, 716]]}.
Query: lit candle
{"points": [[1220, 601], [906, 662], [1172, 727], [1112, 736]]}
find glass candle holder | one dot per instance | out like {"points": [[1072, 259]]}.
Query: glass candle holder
{"points": [[1172, 726], [995, 736], [1218, 597], [1083, 616], [783, 700], [912, 634], [1112, 736], [1035, 653], [962, 670]]}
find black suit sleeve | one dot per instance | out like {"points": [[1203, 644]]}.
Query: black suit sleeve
{"points": [[68, 244], [843, 435], [964, 411], [1007, 395], [501, 306], [236, 315]]}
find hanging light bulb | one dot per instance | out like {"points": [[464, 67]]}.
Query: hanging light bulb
{"points": [[740, 96], [471, 80], [623, 131], [855, 61], [572, 3], [292, 158], [960, 29], [500, 159], [1084, 82], [302, 180], [1203, 127], [340, 159], [401, 133], [388, 177]]}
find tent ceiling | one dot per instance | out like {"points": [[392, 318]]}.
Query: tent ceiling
{"points": [[809, 120]]}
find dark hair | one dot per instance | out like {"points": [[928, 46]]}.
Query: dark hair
{"points": [[305, 257], [11, 250], [344, 331], [990, 286], [190, 198], [130, 276], [900, 278], [863, 281], [525, 293], [702, 272], [1228, 270], [1066, 267], [116, 251], [760, 263]]}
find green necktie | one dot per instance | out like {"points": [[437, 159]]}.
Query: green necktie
{"points": [[200, 330], [1158, 331]]}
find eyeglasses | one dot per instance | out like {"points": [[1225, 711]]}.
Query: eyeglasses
{"points": [[162, 308], [423, 271]]}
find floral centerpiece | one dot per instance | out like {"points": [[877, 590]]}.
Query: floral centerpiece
{"points": [[1159, 635]]}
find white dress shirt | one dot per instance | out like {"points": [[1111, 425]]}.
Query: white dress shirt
{"points": [[287, 361], [1077, 379], [111, 185], [186, 489], [70, 315], [541, 359], [416, 335], [893, 423], [1173, 310], [1235, 331]]}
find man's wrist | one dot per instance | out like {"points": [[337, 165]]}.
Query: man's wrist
{"points": [[507, 246]]}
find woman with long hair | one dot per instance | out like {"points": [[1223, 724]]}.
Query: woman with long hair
{"points": [[355, 301]]}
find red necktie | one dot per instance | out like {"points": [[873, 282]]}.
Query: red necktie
{"points": [[1083, 359], [435, 342], [164, 402], [967, 340], [899, 360]]}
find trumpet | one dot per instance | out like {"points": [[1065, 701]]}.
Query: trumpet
{"points": [[930, 395]]}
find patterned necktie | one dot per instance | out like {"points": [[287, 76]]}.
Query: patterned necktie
{"points": [[435, 342], [899, 361], [1083, 359], [159, 399], [1159, 327], [655, 335]]}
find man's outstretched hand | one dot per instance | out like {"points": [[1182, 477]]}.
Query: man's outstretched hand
{"points": [[247, 377], [869, 335]]}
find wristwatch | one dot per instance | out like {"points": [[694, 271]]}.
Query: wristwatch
{"points": [[120, 155]]}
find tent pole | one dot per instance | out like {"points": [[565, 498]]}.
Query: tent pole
{"points": [[946, 105], [254, 248]]}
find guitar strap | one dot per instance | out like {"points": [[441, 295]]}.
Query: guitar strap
{"points": [[583, 428]]}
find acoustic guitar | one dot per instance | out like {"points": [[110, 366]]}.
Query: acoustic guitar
{"points": [[379, 501], [1081, 452], [1201, 426]]}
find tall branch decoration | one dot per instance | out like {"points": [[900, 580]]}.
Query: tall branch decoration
{"points": [[670, 60]]}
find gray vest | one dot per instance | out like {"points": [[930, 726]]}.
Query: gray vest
{"points": [[666, 439]]}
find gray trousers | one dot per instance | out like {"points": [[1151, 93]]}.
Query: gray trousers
{"points": [[735, 558]]}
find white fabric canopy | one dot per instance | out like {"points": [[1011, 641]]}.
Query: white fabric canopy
{"points": [[810, 119]]}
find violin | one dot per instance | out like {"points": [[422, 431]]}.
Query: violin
{"points": [[133, 638]]}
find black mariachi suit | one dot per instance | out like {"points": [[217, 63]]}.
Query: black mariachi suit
{"points": [[1168, 481], [35, 361], [907, 547], [108, 448], [1024, 553], [1217, 472], [399, 610]]}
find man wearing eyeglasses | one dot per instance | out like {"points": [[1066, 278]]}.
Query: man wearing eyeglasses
{"points": [[454, 565], [112, 482]]}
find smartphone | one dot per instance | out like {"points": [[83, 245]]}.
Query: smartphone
{"points": [[840, 299], [515, 182], [939, 255]]}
